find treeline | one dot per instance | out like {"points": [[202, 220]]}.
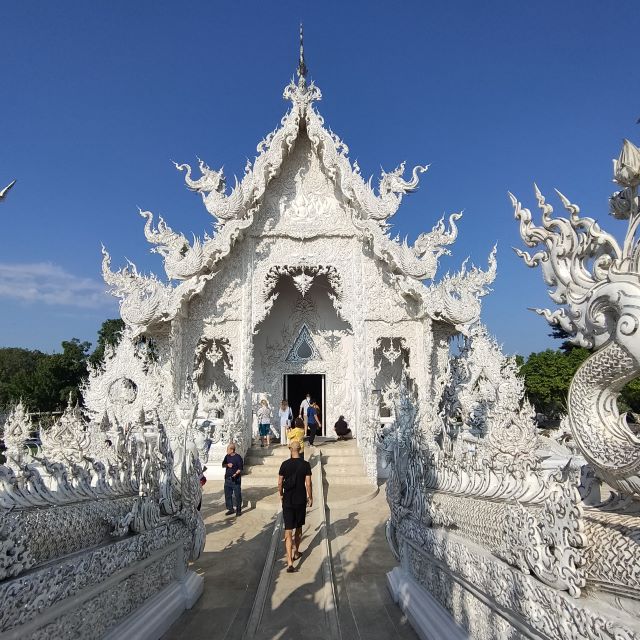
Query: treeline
{"points": [[46, 381], [548, 374]]}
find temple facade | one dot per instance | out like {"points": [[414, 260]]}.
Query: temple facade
{"points": [[500, 530], [300, 288]]}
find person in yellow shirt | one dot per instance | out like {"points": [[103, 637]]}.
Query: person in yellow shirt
{"points": [[295, 433]]}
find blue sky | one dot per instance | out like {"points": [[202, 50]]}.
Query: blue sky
{"points": [[97, 98]]}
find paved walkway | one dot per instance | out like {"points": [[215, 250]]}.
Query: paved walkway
{"points": [[295, 606]]}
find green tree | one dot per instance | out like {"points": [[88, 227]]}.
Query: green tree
{"points": [[558, 333], [58, 377], [16, 366], [43, 381], [547, 377], [629, 399], [110, 333]]}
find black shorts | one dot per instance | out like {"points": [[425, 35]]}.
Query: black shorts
{"points": [[294, 516]]}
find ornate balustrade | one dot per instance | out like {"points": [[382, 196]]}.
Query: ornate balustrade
{"points": [[490, 535], [94, 533]]}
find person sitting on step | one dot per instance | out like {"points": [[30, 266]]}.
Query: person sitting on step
{"points": [[342, 430]]}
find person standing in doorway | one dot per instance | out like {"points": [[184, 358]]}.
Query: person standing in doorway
{"points": [[304, 405], [233, 466], [313, 421], [286, 420], [264, 422], [296, 492]]}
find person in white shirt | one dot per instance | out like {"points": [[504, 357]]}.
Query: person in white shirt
{"points": [[286, 418], [264, 422], [304, 405]]}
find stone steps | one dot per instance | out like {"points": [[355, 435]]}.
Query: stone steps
{"points": [[338, 460], [259, 471], [262, 465], [353, 480], [342, 464], [261, 461], [271, 452]]}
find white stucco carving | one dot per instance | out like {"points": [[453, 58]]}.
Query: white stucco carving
{"points": [[301, 240], [64, 511], [597, 284], [5, 190], [470, 492], [509, 531]]}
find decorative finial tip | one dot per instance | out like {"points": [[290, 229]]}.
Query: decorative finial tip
{"points": [[302, 67]]}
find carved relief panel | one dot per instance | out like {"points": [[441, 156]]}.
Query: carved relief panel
{"points": [[302, 201]]}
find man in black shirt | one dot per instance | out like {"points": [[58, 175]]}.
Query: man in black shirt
{"points": [[294, 485], [233, 466]]}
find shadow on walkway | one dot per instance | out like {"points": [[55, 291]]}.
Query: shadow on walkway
{"points": [[234, 558]]}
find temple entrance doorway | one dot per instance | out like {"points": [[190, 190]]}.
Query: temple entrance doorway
{"points": [[296, 387]]}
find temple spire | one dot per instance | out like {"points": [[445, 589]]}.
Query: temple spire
{"points": [[302, 67]]}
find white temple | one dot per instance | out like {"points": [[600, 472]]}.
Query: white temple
{"points": [[300, 288], [499, 532]]}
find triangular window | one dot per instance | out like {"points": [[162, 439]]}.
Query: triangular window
{"points": [[304, 348]]}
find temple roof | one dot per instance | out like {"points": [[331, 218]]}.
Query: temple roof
{"points": [[192, 264]]}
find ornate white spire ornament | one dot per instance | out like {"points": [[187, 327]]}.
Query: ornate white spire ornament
{"points": [[16, 432], [4, 192], [597, 284], [302, 67]]}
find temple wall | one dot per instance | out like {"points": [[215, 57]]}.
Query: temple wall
{"points": [[489, 600]]}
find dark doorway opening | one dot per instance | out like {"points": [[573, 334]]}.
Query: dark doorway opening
{"points": [[296, 387]]}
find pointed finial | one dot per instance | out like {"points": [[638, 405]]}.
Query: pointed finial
{"points": [[302, 67]]}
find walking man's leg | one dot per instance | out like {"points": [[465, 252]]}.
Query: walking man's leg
{"points": [[296, 543], [237, 489], [228, 496], [288, 543]]}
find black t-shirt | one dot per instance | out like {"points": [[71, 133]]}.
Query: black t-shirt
{"points": [[294, 471], [236, 460]]}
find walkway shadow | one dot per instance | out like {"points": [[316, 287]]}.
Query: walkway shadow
{"points": [[231, 566], [307, 549]]}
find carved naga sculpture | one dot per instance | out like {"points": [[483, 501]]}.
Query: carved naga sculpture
{"points": [[391, 188], [598, 284], [421, 260], [181, 260], [142, 297], [211, 185]]}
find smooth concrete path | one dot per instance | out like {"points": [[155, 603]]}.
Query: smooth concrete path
{"points": [[300, 604], [361, 560], [349, 536]]}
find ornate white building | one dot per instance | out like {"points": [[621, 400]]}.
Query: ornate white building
{"points": [[299, 288], [500, 533]]}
